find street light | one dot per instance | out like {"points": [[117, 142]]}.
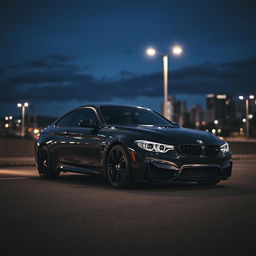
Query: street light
{"points": [[247, 117], [23, 107], [151, 51], [9, 119], [176, 50]]}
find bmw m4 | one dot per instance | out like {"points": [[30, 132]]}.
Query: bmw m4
{"points": [[130, 144]]}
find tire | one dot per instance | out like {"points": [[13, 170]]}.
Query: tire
{"points": [[46, 169], [118, 167], [208, 182]]}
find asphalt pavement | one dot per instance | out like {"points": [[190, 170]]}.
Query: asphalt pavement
{"points": [[83, 215]]}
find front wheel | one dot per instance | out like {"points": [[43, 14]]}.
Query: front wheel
{"points": [[208, 182], [44, 164], [118, 167]]}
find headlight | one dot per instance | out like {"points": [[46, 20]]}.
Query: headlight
{"points": [[154, 146], [224, 148]]}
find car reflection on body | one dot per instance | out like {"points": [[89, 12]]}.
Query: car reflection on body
{"points": [[130, 144]]}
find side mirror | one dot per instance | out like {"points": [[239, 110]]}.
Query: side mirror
{"points": [[89, 123]]}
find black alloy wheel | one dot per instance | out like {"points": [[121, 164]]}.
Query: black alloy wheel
{"points": [[118, 167], [44, 165]]}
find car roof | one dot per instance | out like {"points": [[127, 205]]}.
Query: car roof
{"points": [[109, 105]]}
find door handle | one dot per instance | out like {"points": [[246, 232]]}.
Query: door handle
{"points": [[67, 133]]}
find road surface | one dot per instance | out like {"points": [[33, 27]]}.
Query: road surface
{"points": [[84, 215]]}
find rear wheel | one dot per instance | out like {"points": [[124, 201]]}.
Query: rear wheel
{"points": [[208, 182], [118, 167], [44, 164]]}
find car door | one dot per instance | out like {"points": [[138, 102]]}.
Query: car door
{"points": [[61, 138], [86, 144]]}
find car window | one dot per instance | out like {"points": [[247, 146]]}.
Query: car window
{"points": [[132, 116], [83, 114], [66, 121]]}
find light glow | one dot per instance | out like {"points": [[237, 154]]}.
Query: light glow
{"points": [[251, 97], [241, 97], [36, 131], [221, 96], [177, 50], [19, 105], [151, 51]]}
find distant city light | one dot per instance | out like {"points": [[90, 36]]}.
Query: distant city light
{"points": [[241, 97], [6, 118], [216, 121], [19, 121], [36, 131], [250, 116], [244, 120], [6, 125], [221, 96], [10, 117], [177, 50], [219, 130], [213, 131], [26, 104], [19, 105], [151, 51], [251, 97]]}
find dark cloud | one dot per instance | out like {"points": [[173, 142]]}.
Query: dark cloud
{"points": [[66, 84], [55, 61], [61, 57], [126, 74]]}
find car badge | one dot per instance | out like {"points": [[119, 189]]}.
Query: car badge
{"points": [[200, 142]]}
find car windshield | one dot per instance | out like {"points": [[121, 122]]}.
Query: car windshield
{"points": [[118, 115]]}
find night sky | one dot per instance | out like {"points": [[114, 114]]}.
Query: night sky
{"points": [[61, 54]]}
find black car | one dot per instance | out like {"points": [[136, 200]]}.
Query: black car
{"points": [[130, 144]]}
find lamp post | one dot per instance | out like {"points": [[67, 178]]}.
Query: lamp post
{"points": [[23, 107], [176, 50], [247, 117]]}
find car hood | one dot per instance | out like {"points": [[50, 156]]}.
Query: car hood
{"points": [[171, 135]]}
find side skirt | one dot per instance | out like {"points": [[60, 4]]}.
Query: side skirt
{"points": [[67, 168]]}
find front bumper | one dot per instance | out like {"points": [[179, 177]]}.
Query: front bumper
{"points": [[176, 167], [159, 171]]}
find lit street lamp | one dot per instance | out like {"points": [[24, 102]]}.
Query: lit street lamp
{"points": [[23, 107], [9, 119], [247, 117], [176, 50]]}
